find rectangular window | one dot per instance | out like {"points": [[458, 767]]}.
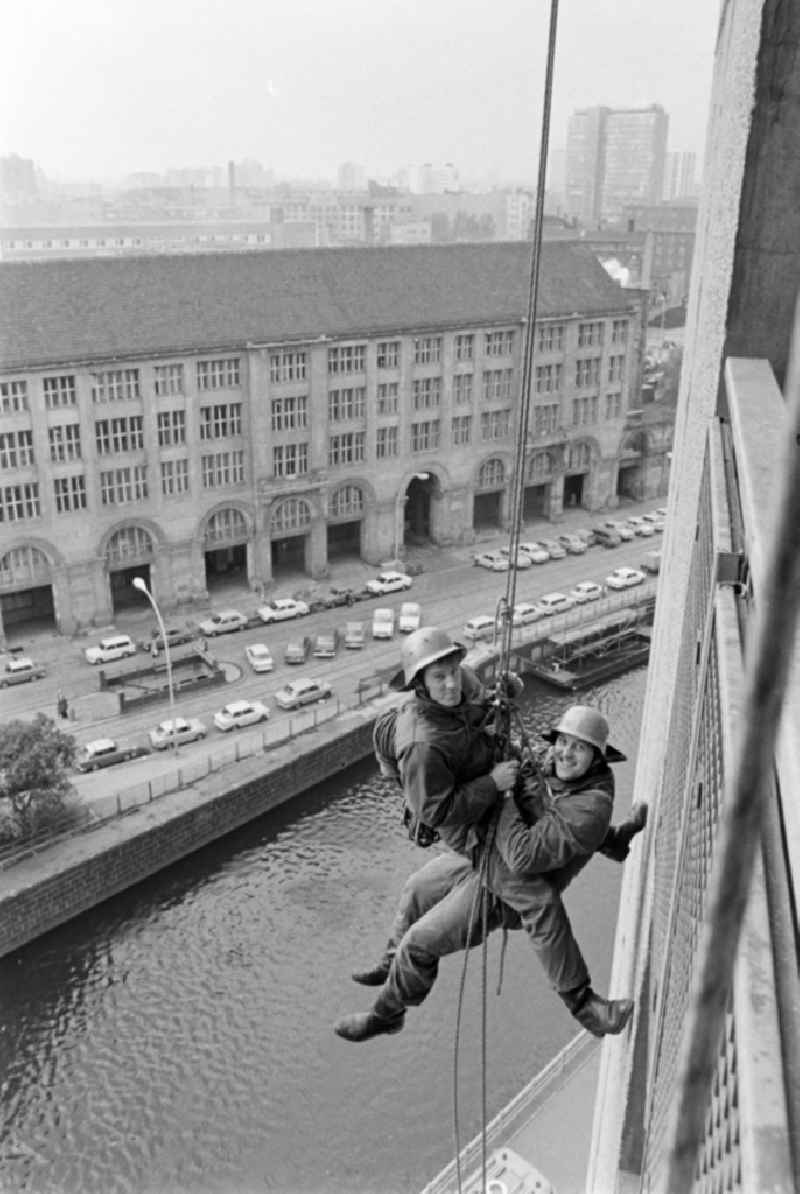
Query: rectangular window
{"points": [[221, 469], [548, 378], [495, 424], [590, 335], [616, 368], [116, 385], [119, 435], [551, 337], [218, 375], [169, 380], [386, 443], [174, 477], [171, 428], [498, 344], [347, 358], [287, 365], [497, 385], [18, 502], [465, 347], [619, 331], [462, 429], [289, 413], [65, 442], [388, 393], [13, 396], [290, 460], [587, 373], [427, 350], [16, 449], [425, 437], [546, 418], [121, 485], [462, 389], [221, 421], [427, 392], [70, 493], [613, 406], [347, 404], [346, 449], [388, 354], [59, 391]]}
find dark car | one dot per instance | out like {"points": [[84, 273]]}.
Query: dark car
{"points": [[176, 636], [339, 595], [606, 537], [297, 650], [325, 645], [105, 752]]}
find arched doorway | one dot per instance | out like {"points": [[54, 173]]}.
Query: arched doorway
{"points": [[345, 514], [129, 553], [289, 529], [225, 545], [417, 509], [630, 474], [538, 481], [578, 466], [26, 589], [489, 492]]}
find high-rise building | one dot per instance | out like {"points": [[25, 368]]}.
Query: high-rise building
{"points": [[615, 157], [680, 181], [351, 177]]}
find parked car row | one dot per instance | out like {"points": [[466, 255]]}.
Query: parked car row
{"points": [[609, 533]]}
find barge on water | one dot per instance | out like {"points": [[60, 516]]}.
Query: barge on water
{"points": [[589, 654]]}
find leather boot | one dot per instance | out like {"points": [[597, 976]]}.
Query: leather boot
{"points": [[362, 1026], [603, 1017], [375, 977]]}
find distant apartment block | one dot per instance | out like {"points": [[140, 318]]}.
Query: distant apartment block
{"points": [[680, 176], [615, 157]]}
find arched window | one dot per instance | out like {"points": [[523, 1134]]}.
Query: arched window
{"points": [[540, 465], [293, 514], [226, 526], [579, 456], [129, 544], [24, 566], [347, 502], [492, 474]]}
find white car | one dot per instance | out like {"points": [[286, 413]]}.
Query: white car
{"points": [[526, 612], [409, 618], [640, 526], [388, 582], [240, 713], [624, 578], [555, 550], [495, 561], [224, 622], [555, 603], [186, 730], [573, 544], [281, 609], [624, 531], [479, 628], [259, 657], [586, 590], [535, 552], [116, 646], [523, 559], [302, 692], [655, 520]]}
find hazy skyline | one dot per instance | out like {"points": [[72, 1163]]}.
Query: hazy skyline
{"points": [[100, 90]]}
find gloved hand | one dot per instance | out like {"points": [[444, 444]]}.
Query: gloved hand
{"points": [[617, 842], [510, 686]]}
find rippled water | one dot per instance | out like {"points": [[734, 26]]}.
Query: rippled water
{"points": [[178, 1038]]}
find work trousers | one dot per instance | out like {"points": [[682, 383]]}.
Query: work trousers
{"points": [[440, 913]]}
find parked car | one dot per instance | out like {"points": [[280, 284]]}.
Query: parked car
{"points": [[383, 623], [523, 559], [354, 636], [480, 627], [641, 526], [240, 713], [652, 562], [624, 578], [622, 529], [325, 644], [573, 544], [495, 561], [302, 692], [555, 549], [297, 649], [115, 646], [389, 582], [186, 730], [586, 590], [281, 609], [105, 752], [535, 552], [176, 636], [661, 511], [655, 520], [259, 657], [20, 670], [606, 537], [587, 535], [526, 612], [339, 595], [555, 603], [226, 621], [409, 619]]}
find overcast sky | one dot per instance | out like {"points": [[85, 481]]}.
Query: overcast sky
{"points": [[99, 88]]}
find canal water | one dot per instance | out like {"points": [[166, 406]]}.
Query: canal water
{"points": [[177, 1039]]}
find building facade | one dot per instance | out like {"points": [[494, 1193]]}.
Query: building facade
{"points": [[615, 157], [184, 418]]}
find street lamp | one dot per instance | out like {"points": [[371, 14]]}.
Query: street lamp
{"points": [[139, 584], [399, 516]]}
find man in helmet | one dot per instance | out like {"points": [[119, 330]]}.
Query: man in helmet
{"points": [[438, 733]]}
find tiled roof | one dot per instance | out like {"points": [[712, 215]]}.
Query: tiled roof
{"points": [[100, 308]]}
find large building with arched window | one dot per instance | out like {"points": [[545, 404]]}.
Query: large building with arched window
{"points": [[189, 419]]}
